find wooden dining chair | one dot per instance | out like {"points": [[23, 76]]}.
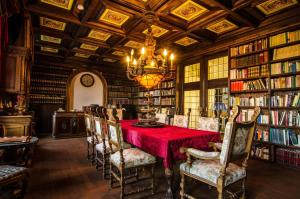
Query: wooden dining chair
{"points": [[222, 169], [126, 161], [182, 120], [161, 116], [90, 133]]}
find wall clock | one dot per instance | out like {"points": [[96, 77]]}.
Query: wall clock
{"points": [[87, 80]]}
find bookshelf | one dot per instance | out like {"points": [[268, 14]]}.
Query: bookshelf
{"points": [[266, 73], [162, 96]]}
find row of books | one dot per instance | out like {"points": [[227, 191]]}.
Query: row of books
{"points": [[245, 115], [256, 71], [168, 84], [168, 92], [284, 38], [119, 101], [113, 94], [249, 100], [250, 47], [285, 118], [288, 157], [286, 100], [119, 89], [261, 135], [249, 60], [258, 84], [168, 101], [285, 137], [286, 52], [260, 152], [263, 119], [286, 82], [285, 67]]}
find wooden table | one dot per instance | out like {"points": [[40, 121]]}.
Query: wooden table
{"points": [[165, 143]]}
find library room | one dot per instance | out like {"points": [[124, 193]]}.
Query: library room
{"points": [[160, 99]]}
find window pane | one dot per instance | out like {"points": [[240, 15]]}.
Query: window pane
{"points": [[217, 68], [217, 99], [192, 100], [192, 73]]}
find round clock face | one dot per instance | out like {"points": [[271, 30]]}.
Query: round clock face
{"points": [[87, 80]]}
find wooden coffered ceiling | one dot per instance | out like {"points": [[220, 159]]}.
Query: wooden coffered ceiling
{"points": [[106, 30]]}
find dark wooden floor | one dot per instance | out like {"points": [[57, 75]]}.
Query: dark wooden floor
{"points": [[61, 171]]}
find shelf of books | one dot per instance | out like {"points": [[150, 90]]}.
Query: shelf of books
{"points": [[266, 73], [48, 85], [164, 95]]}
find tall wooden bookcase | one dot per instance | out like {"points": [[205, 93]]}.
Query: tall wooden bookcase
{"points": [[266, 72]]}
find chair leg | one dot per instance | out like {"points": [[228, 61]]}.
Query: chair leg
{"points": [[122, 183], [243, 189], [220, 193], [24, 187], [110, 176], [152, 178], [88, 150], [182, 186]]}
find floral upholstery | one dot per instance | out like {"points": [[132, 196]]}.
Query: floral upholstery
{"points": [[114, 135], [7, 171], [91, 139], [226, 141], [203, 154], [240, 141], [100, 148], [209, 124], [133, 157], [210, 170], [181, 121], [161, 117], [98, 127], [218, 145], [119, 114]]}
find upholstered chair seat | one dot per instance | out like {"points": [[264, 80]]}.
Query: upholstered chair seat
{"points": [[8, 172], [133, 157], [181, 121], [100, 147], [209, 170], [91, 139]]}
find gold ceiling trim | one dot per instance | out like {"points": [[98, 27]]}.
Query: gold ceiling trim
{"points": [[82, 55], [65, 4], [156, 31], [189, 10], [134, 44], [51, 23], [95, 34], [222, 26], [186, 41], [114, 17], [51, 39], [272, 6], [48, 49], [88, 47]]}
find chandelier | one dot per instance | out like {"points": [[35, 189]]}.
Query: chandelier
{"points": [[147, 67]]}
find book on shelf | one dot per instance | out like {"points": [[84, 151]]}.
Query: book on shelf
{"points": [[260, 152], [168, 92], [168, 84], [288, 157], [287, 137], [245, 115], [285, 82], [263, 119], [258, 84], [286, 52], [250, 47], [284, 38], [285, 67], [261, 135], [285, 118], [291, 99], [255, 59], [250, 100]]}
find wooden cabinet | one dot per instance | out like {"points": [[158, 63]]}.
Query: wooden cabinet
{"points": [[68, 124], [15, 125], [17, 70]]}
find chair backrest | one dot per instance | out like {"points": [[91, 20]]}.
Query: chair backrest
{"points": [[119, 113], [182, 120], [238, 138], [161, 117], [115, 135], [208, 124], [88, 119]]}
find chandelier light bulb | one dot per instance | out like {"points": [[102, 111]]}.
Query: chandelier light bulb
{"points": [[165, 52], [152, 63], [143, 51], [128, 59], [134, 62], [132, 52], [172, 57]]}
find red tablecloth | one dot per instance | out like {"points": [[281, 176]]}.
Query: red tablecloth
{"points": [[165, 142]]}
